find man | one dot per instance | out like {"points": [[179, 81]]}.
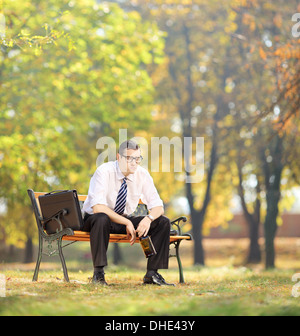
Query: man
{"points": [[114, 193]]}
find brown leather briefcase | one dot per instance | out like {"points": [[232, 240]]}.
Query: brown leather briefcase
{"points": [[64, 206]]}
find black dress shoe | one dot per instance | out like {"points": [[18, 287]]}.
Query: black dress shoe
{"points": [[99, 279], [156, 279]]}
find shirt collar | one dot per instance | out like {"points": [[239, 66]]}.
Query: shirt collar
{"points": [[120, 175]]}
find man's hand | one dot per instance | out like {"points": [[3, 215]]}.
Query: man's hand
{"points": [[130, 232], [144, 226]]}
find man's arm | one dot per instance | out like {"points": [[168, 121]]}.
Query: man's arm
{"points": [[157, 212], [153, 202], [116, 218], [144, 225]]}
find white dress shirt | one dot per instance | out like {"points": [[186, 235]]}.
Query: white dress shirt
{"points": [[106, 182]]}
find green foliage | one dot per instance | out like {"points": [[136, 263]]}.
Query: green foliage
{"points": [[58, 98]]}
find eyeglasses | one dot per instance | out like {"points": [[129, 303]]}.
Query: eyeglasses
{"points": [[129, 159]]}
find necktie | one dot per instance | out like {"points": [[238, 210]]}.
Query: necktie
{"points": [[121, 198]]}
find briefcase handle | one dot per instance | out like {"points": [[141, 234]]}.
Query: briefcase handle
{"points": [[56, 191]]}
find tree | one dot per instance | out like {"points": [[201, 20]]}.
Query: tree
{"points": [[274, 99], [219, 80], [57, 101], [196, 86]]}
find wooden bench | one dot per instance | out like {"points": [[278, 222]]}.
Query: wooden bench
{"points": [[67, 234]]}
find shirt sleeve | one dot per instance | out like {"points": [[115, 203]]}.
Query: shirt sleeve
{"points": [[150, 195], [99, 187]]}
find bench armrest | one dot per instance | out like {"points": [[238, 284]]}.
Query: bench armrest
{"points": [[56, 217], [176, 223]]}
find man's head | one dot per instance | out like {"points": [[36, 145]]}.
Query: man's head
{"points": [[129, 156]]}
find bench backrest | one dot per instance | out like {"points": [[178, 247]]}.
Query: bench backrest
{"points": [[36, 210], [141, 210]]}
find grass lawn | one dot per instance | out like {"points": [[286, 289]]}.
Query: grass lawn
{"points": [[228, 289]]}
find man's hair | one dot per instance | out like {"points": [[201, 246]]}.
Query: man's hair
{"points": [[129, 144]]}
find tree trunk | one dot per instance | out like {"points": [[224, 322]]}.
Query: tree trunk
{"points": [[28, 256], [270, 226], [273, 177], [254, 254], [252, 219], [117, 255], [197, 222]]}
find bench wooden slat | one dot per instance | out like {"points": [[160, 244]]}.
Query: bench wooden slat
{"points": [[113, 238]]}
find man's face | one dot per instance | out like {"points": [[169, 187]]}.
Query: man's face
{"points": [[126, 163]]}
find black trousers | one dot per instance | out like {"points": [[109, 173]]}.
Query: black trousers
{"points": [[100, 226]]}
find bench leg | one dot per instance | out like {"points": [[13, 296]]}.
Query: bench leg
{"points": [[39, 259], [181, 278], [62, 259]]}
